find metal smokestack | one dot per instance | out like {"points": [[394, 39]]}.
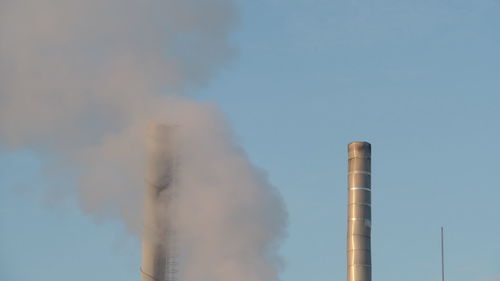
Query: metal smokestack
{"points": [[359, 213], [157, 245]]}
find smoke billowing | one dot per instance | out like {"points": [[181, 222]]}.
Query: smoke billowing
{"points": [[83, 79]]}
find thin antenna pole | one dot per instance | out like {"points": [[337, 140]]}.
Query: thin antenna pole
{"points": [[442, 253]]}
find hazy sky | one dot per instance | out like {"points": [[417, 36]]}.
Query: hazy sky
{"points": [[420, 80]]}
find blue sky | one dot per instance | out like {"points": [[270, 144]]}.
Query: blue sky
{"points": [[417, 79]]}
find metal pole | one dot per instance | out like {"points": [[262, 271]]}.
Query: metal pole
{"points": [[359, 212], [442, 254]]}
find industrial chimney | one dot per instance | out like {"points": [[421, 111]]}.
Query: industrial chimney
{"points": [[158, 255], [359, 212]]}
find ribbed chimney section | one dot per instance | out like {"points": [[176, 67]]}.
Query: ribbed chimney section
{"points": [[158, 194], [359, 212]]}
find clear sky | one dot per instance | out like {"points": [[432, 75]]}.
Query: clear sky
{"points": [[420, 80]]}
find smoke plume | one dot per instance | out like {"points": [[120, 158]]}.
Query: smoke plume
{"points": [[81, 80]]}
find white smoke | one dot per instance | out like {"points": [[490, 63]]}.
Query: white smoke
{"points": [[83, 79]]}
